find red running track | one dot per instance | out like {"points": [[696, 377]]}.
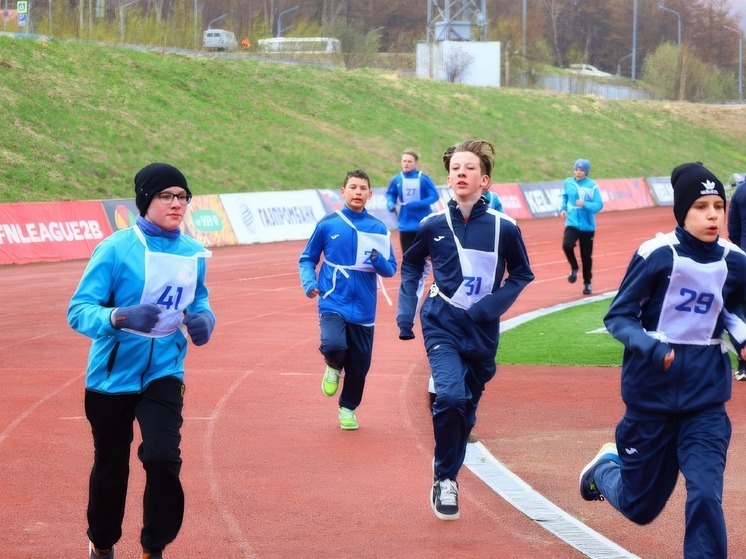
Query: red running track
{"points": [[267, 471]]}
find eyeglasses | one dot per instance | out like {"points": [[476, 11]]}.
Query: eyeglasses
{"points": [[168, 197]]}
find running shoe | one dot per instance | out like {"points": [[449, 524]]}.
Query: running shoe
{"points": [[741, 374], [347, 419], [94, 553], [444, 499], [588, 489], [331, 381]]}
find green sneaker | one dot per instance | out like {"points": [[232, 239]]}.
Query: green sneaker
{"points": [[331, 381], [347, 419]]}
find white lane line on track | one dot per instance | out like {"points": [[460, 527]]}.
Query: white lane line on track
{"points": [[523, 497], [538, 508]]}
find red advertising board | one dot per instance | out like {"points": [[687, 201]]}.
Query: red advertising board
{"points": [[513, 200], [48, 232], [625, 194]]}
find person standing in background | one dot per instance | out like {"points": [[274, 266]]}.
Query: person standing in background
{"points": [[141, 297], [737, 234], [413, 192], [581, 201]]}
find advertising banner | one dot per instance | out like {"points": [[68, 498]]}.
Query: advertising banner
{"points": [[513, 200], [625, 194], [543, 198], [265, 217], [205, 219], [662, 190], [49, 232]]}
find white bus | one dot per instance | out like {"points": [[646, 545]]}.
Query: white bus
{"points": [[300, 45]]}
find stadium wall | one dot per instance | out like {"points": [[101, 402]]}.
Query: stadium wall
{"points": [[54, 231]]}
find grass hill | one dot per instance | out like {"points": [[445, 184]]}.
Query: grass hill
{"points": [[79, 119]]}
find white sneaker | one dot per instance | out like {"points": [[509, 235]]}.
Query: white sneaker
{"points": [[444, 499]]}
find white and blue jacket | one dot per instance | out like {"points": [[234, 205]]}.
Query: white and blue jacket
{"points": [[435, 241], [586, 189], [683, 294], [347, 284], [122, 362], [414, 192]]}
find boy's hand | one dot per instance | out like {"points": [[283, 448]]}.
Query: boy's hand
{"points": [[199, 327], [137, 317], [373, 254], [390, 206], [311, 293]]}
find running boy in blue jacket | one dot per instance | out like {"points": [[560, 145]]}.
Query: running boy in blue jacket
{"points": [[356, 247], [680, 293], [413, 192], [581, 201], [141, 298], [480, 266]]}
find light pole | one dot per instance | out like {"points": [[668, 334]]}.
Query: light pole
{"points": [[740, 61], [678, 15], [279, 20], [122, 7], [209, 25], [634, 40]]}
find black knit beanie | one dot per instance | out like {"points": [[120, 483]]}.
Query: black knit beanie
{"points": [[153, 178], [691, 181]]}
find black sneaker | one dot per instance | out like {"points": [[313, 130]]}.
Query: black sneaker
{"points": [[588, 489], [572, 278], [444, 499], [587, 289], [741, 374]]}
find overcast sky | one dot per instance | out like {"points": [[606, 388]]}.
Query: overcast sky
{"points": [[739, 6]]}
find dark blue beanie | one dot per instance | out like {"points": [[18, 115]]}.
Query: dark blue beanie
{"points": [[583, 164]]}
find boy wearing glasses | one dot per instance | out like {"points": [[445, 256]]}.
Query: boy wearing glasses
{"points": [[141, 297]]}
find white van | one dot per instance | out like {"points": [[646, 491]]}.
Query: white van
{"points": [[219, 39]]}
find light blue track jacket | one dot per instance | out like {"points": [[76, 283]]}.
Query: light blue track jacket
{"points": [[122, 362], [583, 219], [412, 213], [353, 298]]}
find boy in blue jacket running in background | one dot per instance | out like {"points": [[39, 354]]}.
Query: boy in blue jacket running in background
{"points": [[680, 293], [414, 192], [480, 266], [356, 247], [141, 297], [581, 201]]}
